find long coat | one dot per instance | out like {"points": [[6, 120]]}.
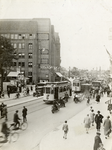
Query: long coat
{"points": [[97, 142], [87, 122], [107, 126]]}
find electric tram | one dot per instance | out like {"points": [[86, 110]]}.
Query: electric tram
{"points": [[76, 85], [56, 90]]}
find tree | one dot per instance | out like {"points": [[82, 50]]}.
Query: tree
{"points": [[6, 56]]}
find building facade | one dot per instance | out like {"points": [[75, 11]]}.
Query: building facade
{"points": [[37, 46]]}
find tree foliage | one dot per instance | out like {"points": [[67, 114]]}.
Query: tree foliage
{"points": [[6, 52]]}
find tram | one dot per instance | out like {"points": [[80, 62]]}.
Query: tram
{"points": [[76, 86], [56, 90]]}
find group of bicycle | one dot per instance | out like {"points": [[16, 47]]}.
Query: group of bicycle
{"points": [[18, 123]]}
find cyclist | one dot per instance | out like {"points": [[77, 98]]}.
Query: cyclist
{"points": [[5, 130], [55, 104], [16, 119]]}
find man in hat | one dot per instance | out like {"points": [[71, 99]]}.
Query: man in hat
{"points": [[97, 141], [16, 119], [98, 120]]}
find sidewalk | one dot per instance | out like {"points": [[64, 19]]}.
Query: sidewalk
{"points": [[13, 96], [77, 138]]}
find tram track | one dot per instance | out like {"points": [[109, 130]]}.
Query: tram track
{"points": [[32, 106]]}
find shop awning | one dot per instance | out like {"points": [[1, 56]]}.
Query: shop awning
{"points": [[59, 74], [13, 74]]}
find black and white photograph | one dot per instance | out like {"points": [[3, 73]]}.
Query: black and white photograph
{"points": [[55, 74]]}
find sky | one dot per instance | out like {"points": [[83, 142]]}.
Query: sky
{"points": [[83, 27]]}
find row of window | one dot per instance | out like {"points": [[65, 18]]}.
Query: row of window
{"points": [[22, 64], [22, 55], [19, 36], [30, 64], [30, 46], [22, 45], [60, 89]]}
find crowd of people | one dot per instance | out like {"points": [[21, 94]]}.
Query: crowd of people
{"points": [[20, 90]]}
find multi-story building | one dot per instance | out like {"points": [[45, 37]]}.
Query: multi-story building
{"points": [[37, 46]]}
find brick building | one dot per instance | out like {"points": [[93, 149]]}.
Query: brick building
{"points": [[37, 46]]}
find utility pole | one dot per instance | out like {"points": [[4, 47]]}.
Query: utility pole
{"points": [[69, 73]]}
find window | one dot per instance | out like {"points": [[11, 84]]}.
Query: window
{"points": [[44, 61], [19, 55], [30, 36], [23, 64], [23, 55], [15, 45], [16, 36], [14, 63], [12, 36], [47, 90], [20, 45], [30, 55], [30, 45], [29, 73], [20, 37], [30, 64], [19, 63]]}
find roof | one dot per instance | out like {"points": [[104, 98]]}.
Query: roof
{"points": [[18, 26], [13, 74], [59, 74]]}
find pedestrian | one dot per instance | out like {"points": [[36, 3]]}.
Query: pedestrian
{"points": [[8, 92], [4, 113], [65, 129], [92, 117], [16, 119], [1, 109], [98, 120], [88, 100], [31, 88], [87, 123], [107, 127], [98, 98], [24, 114], [27, 89], [97, 141], [2, 94], [66, 97]]}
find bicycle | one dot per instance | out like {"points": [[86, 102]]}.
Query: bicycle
{"points": [[23, 126], [12, 137]]}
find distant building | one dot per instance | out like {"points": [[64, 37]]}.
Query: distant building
{"points": [[37, 46]]}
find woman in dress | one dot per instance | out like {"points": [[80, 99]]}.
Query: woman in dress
{"points": [[87, 122]]}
